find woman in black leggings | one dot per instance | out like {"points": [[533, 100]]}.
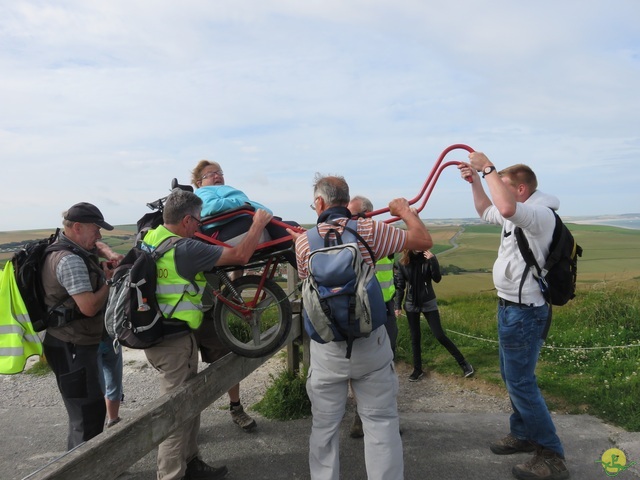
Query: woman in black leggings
{"points": [[416, 271]]}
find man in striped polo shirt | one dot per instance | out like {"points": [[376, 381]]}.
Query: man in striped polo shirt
{"points": [[370, 367]]}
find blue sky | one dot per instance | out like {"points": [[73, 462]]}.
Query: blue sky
{"points": [[106, 102]]}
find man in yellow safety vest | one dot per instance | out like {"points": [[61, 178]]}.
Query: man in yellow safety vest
{"points": [[179, 290]]}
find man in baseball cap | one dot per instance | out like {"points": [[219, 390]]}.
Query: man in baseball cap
{"points": [[84, 212], [75, 289]]}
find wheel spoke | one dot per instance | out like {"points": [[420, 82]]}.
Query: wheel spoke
{"points": [[255, 331], [267, 325], [266, 301]]}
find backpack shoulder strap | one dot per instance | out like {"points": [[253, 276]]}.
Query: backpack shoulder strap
{"points": [[166, 245], [525, 249], [351, 227], [315, 239], [55, 245], [559, 235], [58, 246], [529, 258]]}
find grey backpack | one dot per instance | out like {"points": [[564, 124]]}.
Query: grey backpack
{"points": [[133, 318]]}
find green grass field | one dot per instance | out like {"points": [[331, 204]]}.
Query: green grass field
{"points": [[120, 239], [610, 255]]}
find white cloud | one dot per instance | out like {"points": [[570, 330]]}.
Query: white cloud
{"points": [[107, 101]]}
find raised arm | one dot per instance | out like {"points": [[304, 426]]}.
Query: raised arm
{"points": [[481, 200], [501, 197], [418, 237]]}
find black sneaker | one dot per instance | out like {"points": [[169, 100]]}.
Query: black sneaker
{"points": [[511, 444], [198, 470], [467, 369], [416, 375]]}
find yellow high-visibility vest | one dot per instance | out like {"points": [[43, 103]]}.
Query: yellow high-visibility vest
{"points": [[18, 340], [384, 274], [173, 292]]}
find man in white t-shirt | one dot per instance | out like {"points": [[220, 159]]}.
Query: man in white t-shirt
{"points": [[523, 316]]}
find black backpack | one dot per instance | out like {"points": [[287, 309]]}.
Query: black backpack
{"points": [[27, 265], [147, 222], [133, 318], [557, 278]]}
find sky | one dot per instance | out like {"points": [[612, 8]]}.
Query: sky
{"points": [[107, 101]]}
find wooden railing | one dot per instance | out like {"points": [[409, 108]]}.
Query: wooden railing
{"points": [[111, 453]]}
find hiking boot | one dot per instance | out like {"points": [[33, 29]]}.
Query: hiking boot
{"points": [[416, 375], [467, 369], [198, 470], [240, 418], [511, 444], [356, 427], [545, 465]]}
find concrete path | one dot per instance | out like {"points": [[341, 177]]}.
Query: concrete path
{"points": [[448, 446]]}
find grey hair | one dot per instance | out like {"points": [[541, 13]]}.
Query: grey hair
{"points": [[66, 223], [179, 204], [332, 188], [367, 206]]}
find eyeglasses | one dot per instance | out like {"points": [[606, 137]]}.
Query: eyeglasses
{"points": [[219, 173], [313, 205], [198, 220]]}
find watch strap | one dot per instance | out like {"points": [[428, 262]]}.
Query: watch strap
{"points": [[491, 168]]}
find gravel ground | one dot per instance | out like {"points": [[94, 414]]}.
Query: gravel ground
{"points": [[433, 393], [438, 415]]}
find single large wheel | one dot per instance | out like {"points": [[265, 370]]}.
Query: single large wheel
{"points": [[260, 323]]}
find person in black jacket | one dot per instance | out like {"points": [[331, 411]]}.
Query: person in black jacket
{"points": [[415, 273]]}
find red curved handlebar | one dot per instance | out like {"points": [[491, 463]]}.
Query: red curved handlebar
{"points": [[429, 183]]}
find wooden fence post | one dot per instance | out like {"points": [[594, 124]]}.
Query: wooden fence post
{"points": [[293, 348]]}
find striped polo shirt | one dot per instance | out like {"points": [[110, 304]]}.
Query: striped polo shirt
{"points": [[383, 239]]}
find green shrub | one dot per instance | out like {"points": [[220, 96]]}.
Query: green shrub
{"points": [[286, 398]]}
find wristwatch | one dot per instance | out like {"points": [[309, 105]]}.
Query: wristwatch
{"points": [[487, 170]]}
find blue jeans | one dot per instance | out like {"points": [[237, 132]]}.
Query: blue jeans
{"points": [[520, 331], [110, 364]]}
